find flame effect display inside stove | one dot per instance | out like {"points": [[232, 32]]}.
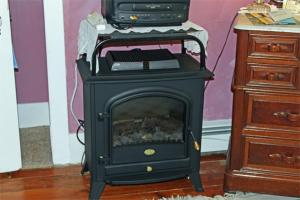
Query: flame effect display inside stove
{"points": [[148, 120]]}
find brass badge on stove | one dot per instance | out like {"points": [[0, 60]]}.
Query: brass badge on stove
{"points": [[149, 152]]}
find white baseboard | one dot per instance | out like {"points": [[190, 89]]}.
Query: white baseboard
{"points": [[215, 143], [215, 138], [33, 114], [76, 148], [215, 135], [216, 127]]}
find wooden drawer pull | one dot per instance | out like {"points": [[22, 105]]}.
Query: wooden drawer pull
{"points": [[288, 158], [274, 76], [274, 47], [275, 156], [293, 117]]}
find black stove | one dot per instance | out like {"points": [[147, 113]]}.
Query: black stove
{"points": [[143, 126]]}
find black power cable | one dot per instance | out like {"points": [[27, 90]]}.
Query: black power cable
{"points": [[81, 122], [83, 161], [222, 50]]}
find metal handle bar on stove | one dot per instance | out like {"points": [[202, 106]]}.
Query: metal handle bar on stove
{"points": [[143, 38]]}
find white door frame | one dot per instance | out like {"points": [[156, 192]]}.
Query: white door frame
{"points": [[10, 151], [57, 83]]}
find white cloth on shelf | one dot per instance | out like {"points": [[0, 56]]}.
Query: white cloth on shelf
{"points": [[88, 34]]}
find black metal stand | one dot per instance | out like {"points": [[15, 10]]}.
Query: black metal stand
{"points": [[123, 39]]}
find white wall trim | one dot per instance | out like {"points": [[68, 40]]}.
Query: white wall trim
{"points": [[215, 143], [216, 127], [10, 152], [57, 83], [76, 149], [215, 138], [215, 135], [33, 114]]}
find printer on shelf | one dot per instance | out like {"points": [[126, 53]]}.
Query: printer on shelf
{"points": [[138, 59]]}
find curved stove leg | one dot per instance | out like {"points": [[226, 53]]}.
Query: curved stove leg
{"points": [[195, 178], [96, 189]]}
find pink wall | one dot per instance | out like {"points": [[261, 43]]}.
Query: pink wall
{"points": [[29, 45], [213, 15], [216, 16]]}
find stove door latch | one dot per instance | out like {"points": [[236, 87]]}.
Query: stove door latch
{"points": [[103, 115], [196, 144]]}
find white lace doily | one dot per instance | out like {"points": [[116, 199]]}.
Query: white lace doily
{"points": [[88, 34]]}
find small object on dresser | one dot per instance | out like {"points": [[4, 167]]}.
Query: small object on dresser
{"points": [[283, 17], [261, 18], [277, 3], [280, 15], [258, 6], [293, 5]]}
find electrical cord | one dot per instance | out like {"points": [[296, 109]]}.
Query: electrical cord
{"points": [[222, 50], [73, 96], [81, 122], [78, 121]]}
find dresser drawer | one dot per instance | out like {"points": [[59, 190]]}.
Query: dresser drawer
{"points": [[272, 154], [273, 111], [277, 76], [274, 46]]}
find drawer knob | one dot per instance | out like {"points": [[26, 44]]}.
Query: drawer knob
{"points": [[293, 117], [285, 157], [274, 47], [274, 76], [275, 156]]}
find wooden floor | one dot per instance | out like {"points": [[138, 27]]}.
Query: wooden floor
{"points": [[67, 183]]}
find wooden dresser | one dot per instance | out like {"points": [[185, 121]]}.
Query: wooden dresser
{"points": [[264, 152]]}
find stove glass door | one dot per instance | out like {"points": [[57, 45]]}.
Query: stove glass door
{"points": [[148, 120]]}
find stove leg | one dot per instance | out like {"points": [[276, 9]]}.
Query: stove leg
{"points": [[96, 189], [195, 178]]}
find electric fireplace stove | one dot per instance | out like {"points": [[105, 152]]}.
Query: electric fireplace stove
{"points": [[143, 126]]}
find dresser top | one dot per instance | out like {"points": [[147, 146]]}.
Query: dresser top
{"points": [[243, 23]]}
